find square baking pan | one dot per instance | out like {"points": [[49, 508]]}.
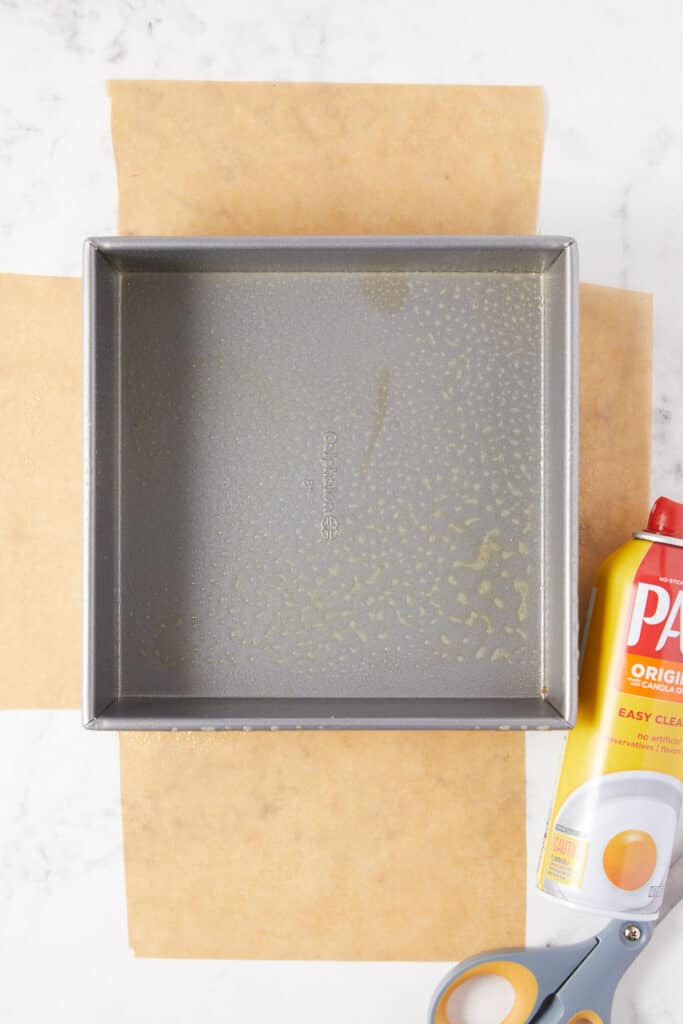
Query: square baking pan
{"points": [[330, 483]]}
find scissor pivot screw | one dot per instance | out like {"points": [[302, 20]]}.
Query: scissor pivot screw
{"points": [[632, 933]]}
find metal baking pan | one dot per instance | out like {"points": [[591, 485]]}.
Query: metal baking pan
{"points": [[330, 482]]}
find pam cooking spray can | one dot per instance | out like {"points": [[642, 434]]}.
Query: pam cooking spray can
{"points": [[611, 831]]}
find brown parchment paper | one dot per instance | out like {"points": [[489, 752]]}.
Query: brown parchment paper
{"points": [[615, 398], [40, 491], [335, 846], [280, 158], [371, 846]]}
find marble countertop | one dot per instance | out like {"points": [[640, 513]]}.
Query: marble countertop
{"points": [[612, 175]]}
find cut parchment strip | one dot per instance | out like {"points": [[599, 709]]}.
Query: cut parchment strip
{"points": [[615, 399], [365, 846], [222, 158], [40, 491], [322, 846]]}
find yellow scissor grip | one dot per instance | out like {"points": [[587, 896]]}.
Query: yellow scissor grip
{"points": [[520, 977], [586, 1017]]}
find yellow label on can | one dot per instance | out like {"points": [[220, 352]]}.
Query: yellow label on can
{"points": [[567, 856], [610, 835]]}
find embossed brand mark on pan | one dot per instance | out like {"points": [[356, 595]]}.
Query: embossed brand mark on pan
{"points": [[329, 524]]}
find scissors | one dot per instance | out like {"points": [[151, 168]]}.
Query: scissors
{"points": [[563, 984]]}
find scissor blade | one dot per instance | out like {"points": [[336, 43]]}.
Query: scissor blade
{"points": [[673, 893]]}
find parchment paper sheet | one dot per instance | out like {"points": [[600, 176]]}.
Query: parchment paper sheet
{"points": [[221, 158], [40, 491]]}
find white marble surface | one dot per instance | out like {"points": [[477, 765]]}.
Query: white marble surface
{"points": [[612, 178]]}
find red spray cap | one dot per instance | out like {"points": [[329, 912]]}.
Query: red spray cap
{"points": [[666, 517]]}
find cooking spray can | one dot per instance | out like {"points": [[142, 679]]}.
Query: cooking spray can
{"points": [[610, 835]]}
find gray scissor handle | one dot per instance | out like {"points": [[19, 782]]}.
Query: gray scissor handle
{"points": [[561, 985]]}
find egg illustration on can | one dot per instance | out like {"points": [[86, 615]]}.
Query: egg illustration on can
{"points": [[610, 835], [612, 842], [630, 859]]}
